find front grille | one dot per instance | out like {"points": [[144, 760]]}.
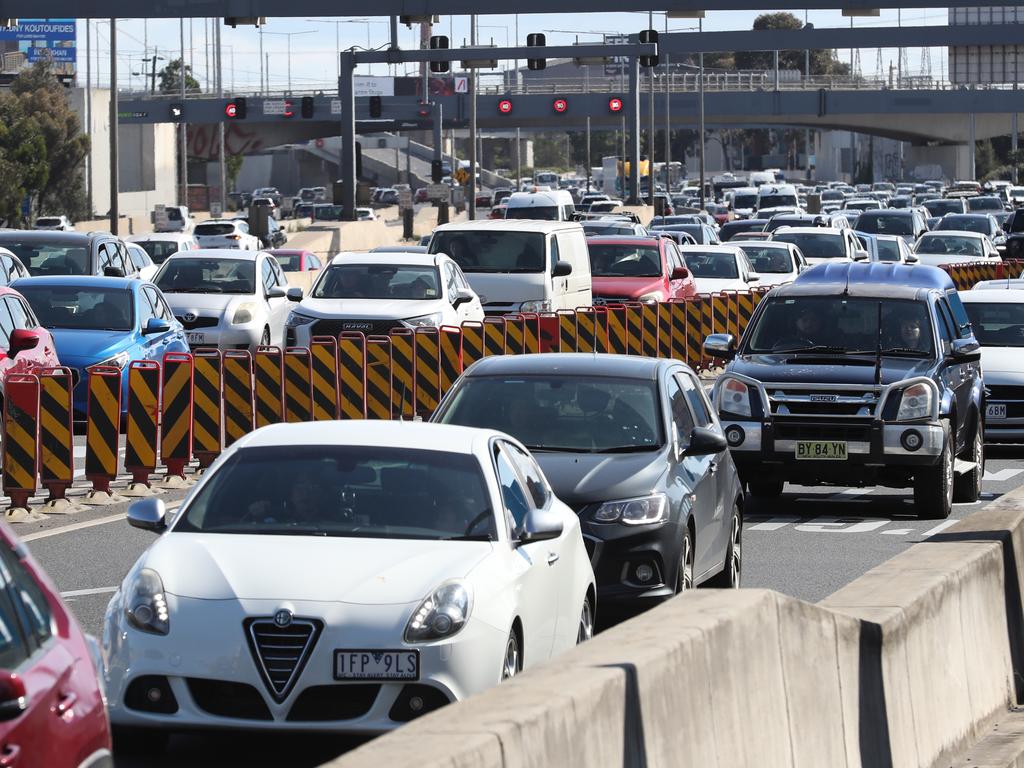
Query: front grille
{"points": [[1004, 393], [280, 653], [199, 322], [796, 400], [223, 698], [808, 430], [323, 703], [367, 327]]}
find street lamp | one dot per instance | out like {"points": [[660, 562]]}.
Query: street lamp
{"points": [[288, 35]]}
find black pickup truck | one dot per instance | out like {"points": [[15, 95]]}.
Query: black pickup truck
{"points": [[857, 375]]}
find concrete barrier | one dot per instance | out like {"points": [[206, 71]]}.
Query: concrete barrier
{"points": [[906, 666]]}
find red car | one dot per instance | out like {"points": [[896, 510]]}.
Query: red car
{"points": [[645, 269], [420, 196], [51, 705], [498, 211], [25, 346], [484, 199], [295, 261]]}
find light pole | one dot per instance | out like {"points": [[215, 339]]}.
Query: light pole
{"points": [[289, 36]]}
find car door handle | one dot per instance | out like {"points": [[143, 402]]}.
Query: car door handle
{"points": [[9, 756], [65, 704], [552, 558]]}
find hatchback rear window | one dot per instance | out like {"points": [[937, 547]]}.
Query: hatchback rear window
{"points": [[215, 229]]}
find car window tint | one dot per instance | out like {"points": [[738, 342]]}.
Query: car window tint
{"points": [[146, 308], [138, 257], [30, 602], [6, 325], [680, 411], [269, 280], [946, 324], [696, 399], [8, 271], [554, 251], [512, 493], [450, 280], [162, 310], [530, 474], [19, 313], [13, 647]]}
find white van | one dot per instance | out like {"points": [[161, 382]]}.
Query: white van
{"points": [[757, 178], [178, 220], [776, 198], [546, 205], [520, 266], [742, 201]]}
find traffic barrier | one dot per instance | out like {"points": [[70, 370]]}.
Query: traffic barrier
{"points": [[680, 341], [207, 384], [617, 336], [548, 331], [494, 336], [515, 335], [566, 330], [298, 385], [143, 420], [472, 343], [269, 386], [428, 371], [707, 326], [634, 328], [694, 329], [586, 330], [176, 419], [103, 421], [403, 392], [601, 329], [664, 330], [56, 435], [378, 377], [649, 336], [352, 375], [324, 351], [21, 440], [239, 411], [531, 333], [451, 357]]}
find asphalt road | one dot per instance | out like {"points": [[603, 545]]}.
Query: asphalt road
{"points": [[807, 543]]}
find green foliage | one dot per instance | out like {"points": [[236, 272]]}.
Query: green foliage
{"points": [[170, 78], [823, 62], [232, 167]]}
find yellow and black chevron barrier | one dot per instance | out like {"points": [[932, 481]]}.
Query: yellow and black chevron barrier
{"points": [[472, 343], [677, 321], [143, 420], [324, 351], [21, 438], [298, 385], [617, 337], [567, 333], [649, 314], [352, 375], [403, 373], [664, 329], [268, 386], [428, 371], [176, 421], [531, 333], [586, 330], [494, 336], [239, 413], [694, 329], [378, 377], [56, 433], [450, 343], [515, 334], [207, 404], [103, 422]]}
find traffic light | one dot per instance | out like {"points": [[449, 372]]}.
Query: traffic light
{"points": [[289, 108], [235, 110], [439, 43], [307, 107], [375, 106], [649, 36], [536, 40], [560, 105], [505, 106], [436, 171], [177, 112], [615, 104]]}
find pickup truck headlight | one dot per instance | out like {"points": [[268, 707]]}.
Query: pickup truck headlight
{"points": [[640, 511], [433, 320], [535, 306], [734, 398], [441, 614], [916, 402]]}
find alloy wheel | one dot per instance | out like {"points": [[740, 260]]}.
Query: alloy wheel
{"points": [[510, 667]]}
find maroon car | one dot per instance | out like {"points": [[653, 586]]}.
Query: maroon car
{"points": [[647, 269], [296, 260], [51, 704]]}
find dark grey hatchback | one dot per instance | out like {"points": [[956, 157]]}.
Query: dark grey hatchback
{"points": [[633, 445]]}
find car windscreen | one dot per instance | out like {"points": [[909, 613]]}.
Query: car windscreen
{"points": [[624, 260], [43, 258], [207, 275], [885, 224], [832, 196], [173, 214], [476, 250], [768, 260], [378, 281], [984, 204], [744, 201], [888, 250], [159, 250], [777, 201], [733, 228], [841, 325], [949, 244], [966, 223], [358, 491], [537, 212], [721, 266], [942, 206], [592, 228], [94, 309], [214, 230], [48, 221], [813, 245], [577, 413], [998, 324]]}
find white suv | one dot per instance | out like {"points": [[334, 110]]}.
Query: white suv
{"points": [[226, 233]]}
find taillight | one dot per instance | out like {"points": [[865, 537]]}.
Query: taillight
{"points": [[234, 237]]}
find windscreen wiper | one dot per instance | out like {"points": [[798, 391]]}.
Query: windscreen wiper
{"points": [[469, 537], [627, 449], [811, 350], [904, 351]]}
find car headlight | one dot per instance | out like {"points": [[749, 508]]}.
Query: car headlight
{"points": [[441, 614], [650, 298], [295, 319], [433, 320], [734, 398], [146, 606], [243, 313], [536, 306], [641, 511], [916, 402], [120, 360]]}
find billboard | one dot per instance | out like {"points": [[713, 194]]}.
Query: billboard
{"points": [[35, 40], [368, 85]]}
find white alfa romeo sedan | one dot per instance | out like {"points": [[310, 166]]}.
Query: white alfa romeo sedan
{"points": [[344, 576]]}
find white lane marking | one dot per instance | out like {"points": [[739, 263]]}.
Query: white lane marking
{"points": [[898, 532], [830, 524], [79, 526], [940, 527], [1002, 475], [93, 591], [774, 523]]}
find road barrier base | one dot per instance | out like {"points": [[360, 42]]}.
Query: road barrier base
{"points": [[137, 490], [22, 515], [60, 507], [177, 481], [97, 498]]}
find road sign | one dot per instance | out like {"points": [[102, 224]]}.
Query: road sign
{"points": [[335, 106], [438, 192], [404, 198], [215, 210], [159, 217], [461, 84], [461, 175], [274, 107]]}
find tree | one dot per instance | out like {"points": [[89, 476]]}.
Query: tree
{"points": [[43, 101], [232, 167], [23, 164], [170, 78], [823, 62]]}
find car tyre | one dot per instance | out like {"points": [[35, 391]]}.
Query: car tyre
{"points": [[139, 741], [766, 489], [933, 486], [586, 628], [512, 664], [732, 574], [967, 487], [684, 578]]}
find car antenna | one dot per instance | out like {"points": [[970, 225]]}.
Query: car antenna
{"points": [[878, 348]]}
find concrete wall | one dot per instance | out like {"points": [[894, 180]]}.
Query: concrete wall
{"points": [[907, 666]]}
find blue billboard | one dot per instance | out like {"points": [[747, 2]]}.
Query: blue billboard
{"points": [[35, 40]]}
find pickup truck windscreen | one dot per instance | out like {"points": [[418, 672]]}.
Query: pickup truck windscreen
{"points": [[997, 324]]}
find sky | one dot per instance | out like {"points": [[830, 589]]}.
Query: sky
{"points": [[314, 42]]}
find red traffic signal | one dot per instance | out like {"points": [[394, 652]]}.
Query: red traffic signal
{"points": [[560, 105], [235, 110], [615, 105], [231, 110], [289, 111], [504, 106]]}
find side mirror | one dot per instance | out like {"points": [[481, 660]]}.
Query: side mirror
{"points": [[562, 269], [912, 258], [294, 294], [277, 292], [721, 345], [155, 325], [113, 272], [680, 273], [704, 442], [148, 515], [965, 350], [13, 696], [460, 298], [860, 254], [753, 277], [21, 340], [540, 525]]}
